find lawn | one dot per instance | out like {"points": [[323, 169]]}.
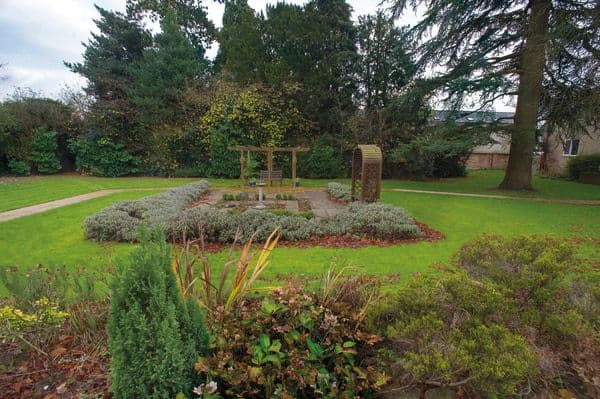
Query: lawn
{"points": [[56, 237], [21, 192]]}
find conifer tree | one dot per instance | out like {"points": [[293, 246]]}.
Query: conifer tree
{"points": [[167, 69], [155, 337]]}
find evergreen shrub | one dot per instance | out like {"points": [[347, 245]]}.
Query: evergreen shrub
{"points": [[19, 168], [155, 337], [102, 157], [584, 166], [44, 151]]}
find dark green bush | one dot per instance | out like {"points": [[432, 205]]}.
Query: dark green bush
{"points": [[44, 151], [19, 168], [224, 162], [422, 158], [583, 165], [322, 162], [102, 157], [155, 337]]}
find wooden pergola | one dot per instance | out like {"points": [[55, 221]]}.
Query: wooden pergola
{"points": [[269, 151]]}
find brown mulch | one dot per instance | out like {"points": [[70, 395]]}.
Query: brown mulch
{"points": [[69, 370], [431, 235]]}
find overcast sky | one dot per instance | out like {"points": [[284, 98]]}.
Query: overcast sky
{"points": [[36, 36]]}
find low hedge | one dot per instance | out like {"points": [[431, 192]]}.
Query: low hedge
{"points": [[359, 221], [121, 221], [584, 166]]}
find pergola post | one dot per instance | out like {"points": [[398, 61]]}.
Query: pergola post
{"points": [[242, 166], [269, 165], [293, 168]]}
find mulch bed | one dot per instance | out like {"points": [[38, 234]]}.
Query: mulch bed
{"points": [[68, 371], [431, 235]]}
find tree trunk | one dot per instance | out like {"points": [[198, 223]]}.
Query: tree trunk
{"points": [[518, 171]]}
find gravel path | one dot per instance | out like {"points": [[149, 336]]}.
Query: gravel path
{"points": [[46, 206]]}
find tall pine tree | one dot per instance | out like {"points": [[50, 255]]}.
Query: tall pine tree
{"points": [[500, 48], [109, 60], [241, 54], [168, 68]]}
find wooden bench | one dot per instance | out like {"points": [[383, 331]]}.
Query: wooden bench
{"points": [[276, 175]]}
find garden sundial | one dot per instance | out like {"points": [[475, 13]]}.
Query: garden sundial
{"points": [[260, 204]]}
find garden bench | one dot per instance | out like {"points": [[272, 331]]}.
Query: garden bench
{"points": [[276, 175]]}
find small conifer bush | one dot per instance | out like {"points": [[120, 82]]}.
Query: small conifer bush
{"points": [[155, 337]]}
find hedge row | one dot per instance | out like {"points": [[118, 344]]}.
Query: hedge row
{"points": [[121, 221]]}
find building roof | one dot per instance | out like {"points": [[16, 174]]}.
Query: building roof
{"points": [[502, 141], [463, 117]]}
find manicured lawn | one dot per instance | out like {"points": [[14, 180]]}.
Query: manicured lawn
{"points": [[487, 181], [21, 192], [56, 237]]}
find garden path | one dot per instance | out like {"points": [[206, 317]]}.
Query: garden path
{"points": [[31, 210], [322, 206]]}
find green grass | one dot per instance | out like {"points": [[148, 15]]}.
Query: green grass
{"points": [[21, 192], [56, 237], [487, 181]]}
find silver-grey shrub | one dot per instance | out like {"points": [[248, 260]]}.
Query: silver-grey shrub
{"points": [[120, 221], [374, 220], [360, 220], [339, 191], [222, 226]]}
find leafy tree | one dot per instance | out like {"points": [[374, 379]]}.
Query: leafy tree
{"points": [[498, 48], [155, 337], [385, 70], [25, 112], [241, 54], [263, 115], [109, 61]]}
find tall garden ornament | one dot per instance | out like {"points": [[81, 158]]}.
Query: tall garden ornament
{"points": [[366, 173]]}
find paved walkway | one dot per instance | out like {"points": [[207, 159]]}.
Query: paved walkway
{"points": [[321, 205], [497, 196], [31, 210]]}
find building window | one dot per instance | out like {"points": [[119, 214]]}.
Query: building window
{"points": [[539, 145], [571, 147]]}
